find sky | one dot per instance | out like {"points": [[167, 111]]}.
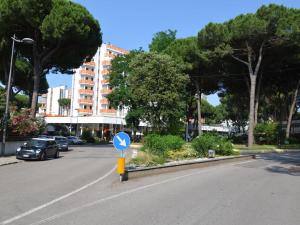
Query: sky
{"points": [[131, 24]]}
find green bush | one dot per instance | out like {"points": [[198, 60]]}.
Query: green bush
{"points": [[159, 145], [208, 141], [266, 133]]}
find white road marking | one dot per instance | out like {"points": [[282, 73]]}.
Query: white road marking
{"points": [[49, 219], [57, 199]]}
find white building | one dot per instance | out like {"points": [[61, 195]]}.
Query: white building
{"points": [[49, 102], [89, 105]]}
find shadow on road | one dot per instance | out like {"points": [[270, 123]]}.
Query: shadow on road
{"points": [[289, 163]]}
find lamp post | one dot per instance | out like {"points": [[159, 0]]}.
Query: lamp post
{"points": [[8, 87]]}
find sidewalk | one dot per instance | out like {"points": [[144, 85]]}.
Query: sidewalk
{"points": [[8, 160]]}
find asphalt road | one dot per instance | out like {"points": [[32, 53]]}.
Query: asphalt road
{"points": [[81, 189]]}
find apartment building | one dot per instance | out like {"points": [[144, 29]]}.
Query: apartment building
{"points": [[89, 104], [49, 105], [90, 84]]}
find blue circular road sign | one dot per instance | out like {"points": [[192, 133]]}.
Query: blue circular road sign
{"points": [[121, 141]]}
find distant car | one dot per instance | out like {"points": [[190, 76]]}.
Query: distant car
{"points": [[73, 140], [62, 143], [38, 148]]}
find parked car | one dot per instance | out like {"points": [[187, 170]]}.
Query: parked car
{"points": [[62, 143], [73, 140], [38, 148]]}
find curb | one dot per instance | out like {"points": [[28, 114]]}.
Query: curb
{"points": [[268, 151], [149, 171], [9, 163]]}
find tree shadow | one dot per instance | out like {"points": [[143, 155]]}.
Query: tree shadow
{"points": [[289, 163]]}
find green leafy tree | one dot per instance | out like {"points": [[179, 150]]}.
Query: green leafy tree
{"points": [[65, 103], [199, 66], [245, 39], [64, 33], [157, 86], [162, 40]]}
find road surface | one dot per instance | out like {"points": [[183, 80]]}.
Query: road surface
{"points": [[82, 188]]}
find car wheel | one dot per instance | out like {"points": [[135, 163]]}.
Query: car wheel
{"points": [[43, 156], [57, 154]]}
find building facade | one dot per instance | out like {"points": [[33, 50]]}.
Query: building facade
{"points": [[89, 104], [49, 105], [90, 84]]}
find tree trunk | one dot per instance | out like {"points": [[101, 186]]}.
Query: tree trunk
{"points": [[37, 71], [198, 98], [251, 110], [257, 95], [292, 111]]}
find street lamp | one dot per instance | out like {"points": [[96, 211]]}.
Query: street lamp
{"points": [[8, 87]]}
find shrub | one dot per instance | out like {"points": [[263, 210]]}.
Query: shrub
{"points": [[147, 159], [266, 133], [186, 152], [159, 145], [22, 124], [87, 136], [205, 142]]}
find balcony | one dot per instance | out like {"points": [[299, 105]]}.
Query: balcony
{"points": [[104, 101], [116, 49], [87, 82], [105, 91], [85, 101], [89, 63], [87, 72], [111, 56], [86, 91], [104, 81], [85, 111], [105, 72], [108, 111], [106, 62]]}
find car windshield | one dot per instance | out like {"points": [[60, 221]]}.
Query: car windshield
{"points": [[36, 143], [62, 141]]}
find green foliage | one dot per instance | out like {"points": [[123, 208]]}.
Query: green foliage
{"points": [[212, 141], [2, 102], [64, 102], [162, 40], [186, 152], [87, 136], [159, 145], [22, 124], [157, 86], [147, 159], [64, 33], [267, 133]]}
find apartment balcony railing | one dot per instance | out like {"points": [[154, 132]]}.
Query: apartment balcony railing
{"points": [[108, 111], [89, 63], [104, 101], [85, 111], [85, 101], [111, 56], [87, 72], [117, 49], [104, 81], [88, 82], [105, 72], [105, 91], [86, 91], [106, 62]]}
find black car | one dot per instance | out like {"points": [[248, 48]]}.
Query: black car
{"points": [[38, 148], [62, 143]]}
